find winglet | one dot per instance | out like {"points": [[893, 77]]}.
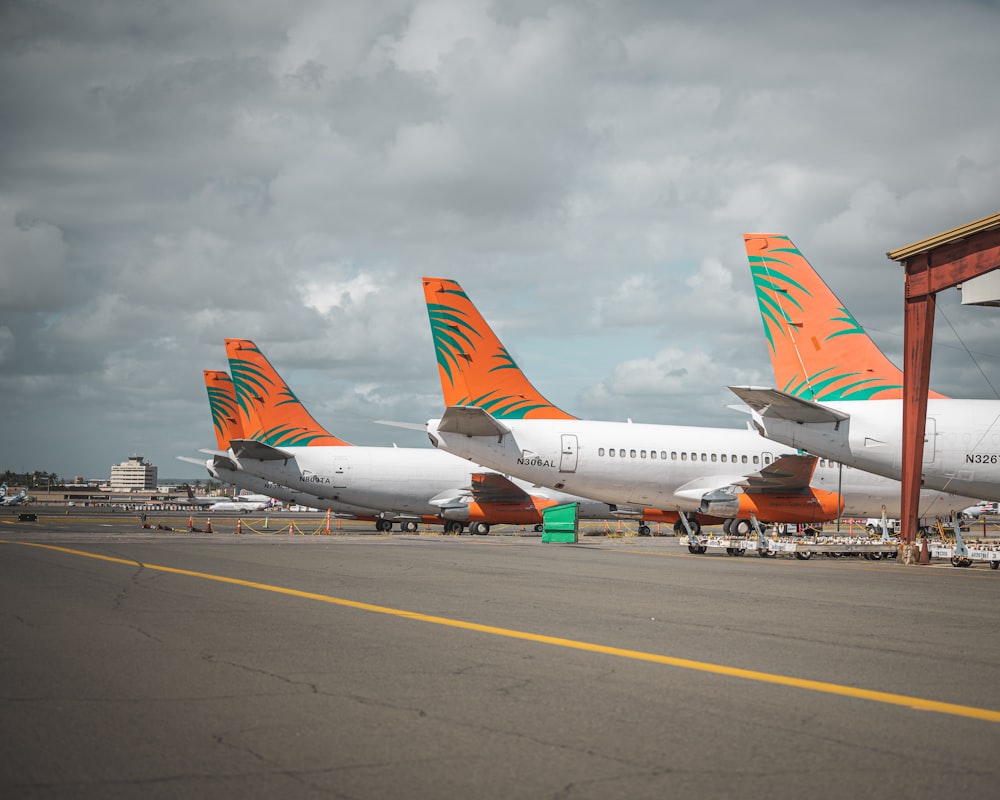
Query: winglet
{"points": [[819, 351], [269, 411], [474, 366]]}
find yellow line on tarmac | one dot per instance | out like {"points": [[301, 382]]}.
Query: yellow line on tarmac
{"points": [[889, 698]]}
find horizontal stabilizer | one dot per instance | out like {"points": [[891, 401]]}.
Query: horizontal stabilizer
{"points": [[776, 404], [413, 426], [471, 421], [250, 448]]}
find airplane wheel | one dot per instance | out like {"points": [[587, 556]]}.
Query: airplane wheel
{"points": [[478, 528], [727, 525], [740, 527], [383, 525], [644, 530], [694, 549], [409, 527], [804, 556], [453, 526], [539, 528]]}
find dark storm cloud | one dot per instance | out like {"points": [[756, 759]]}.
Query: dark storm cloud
{"points": [[173, 173]]}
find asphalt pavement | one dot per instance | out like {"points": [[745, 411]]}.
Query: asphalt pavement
{"points": [[165, 663]]}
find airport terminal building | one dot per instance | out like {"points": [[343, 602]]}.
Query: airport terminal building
{"points": [[134, 474]]}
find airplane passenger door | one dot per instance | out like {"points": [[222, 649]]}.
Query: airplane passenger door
{"points": [[567, 460], [930, 440], [341, 467]]}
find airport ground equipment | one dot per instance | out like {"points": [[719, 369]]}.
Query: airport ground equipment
{"points": [[963, 554]]}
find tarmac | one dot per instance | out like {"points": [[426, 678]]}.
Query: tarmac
{"points": [[366, 665]]}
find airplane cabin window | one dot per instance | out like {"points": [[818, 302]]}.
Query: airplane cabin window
{"points": [[652, 454], [611, 452], [704, 457], [642, 454], [723, 458], [714, 457], [631, 453], [673, 455], [756, 459], [621, 452], [684, 456], [600, 451], [744, 459]]}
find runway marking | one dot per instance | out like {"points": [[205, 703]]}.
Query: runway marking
{"points": [[917, 703]]}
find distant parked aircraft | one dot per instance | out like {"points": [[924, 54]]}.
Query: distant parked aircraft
{"points": [[288, 446], [13, 500]]}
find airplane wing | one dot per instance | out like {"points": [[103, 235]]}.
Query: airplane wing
{"points": [[471, 421], [250, 448], [492, 487], [776, 404], [787, 474], [784, 474], [485, 488]]}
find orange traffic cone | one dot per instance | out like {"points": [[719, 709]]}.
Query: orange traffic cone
{"points": [[239, 526], [190, 523], [291, 527], [208, 526], [925, 555]]}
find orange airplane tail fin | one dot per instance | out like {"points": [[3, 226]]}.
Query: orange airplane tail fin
{"points": [[818, 349], [225, 414], [474, 367], [269, 411]]}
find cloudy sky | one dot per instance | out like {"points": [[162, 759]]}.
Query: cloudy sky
{"points": [[174, 172]]}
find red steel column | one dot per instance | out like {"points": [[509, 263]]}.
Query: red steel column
{"points": [[918, 335]]}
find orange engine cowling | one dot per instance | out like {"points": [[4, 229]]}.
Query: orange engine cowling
{"points": [[813, 505], [500, 513]]}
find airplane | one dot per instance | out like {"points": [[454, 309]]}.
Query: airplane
{"points": [[226, 422], [844, 400], [497, 418], [287, 446], [13, 500], [225, 502]]}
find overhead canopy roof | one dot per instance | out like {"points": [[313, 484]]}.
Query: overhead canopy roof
{"points": [[954, 235]]}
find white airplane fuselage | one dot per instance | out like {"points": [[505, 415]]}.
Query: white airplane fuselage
{"points": [[244, 480], [662, 466], [416, 481], [961, 443]]}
